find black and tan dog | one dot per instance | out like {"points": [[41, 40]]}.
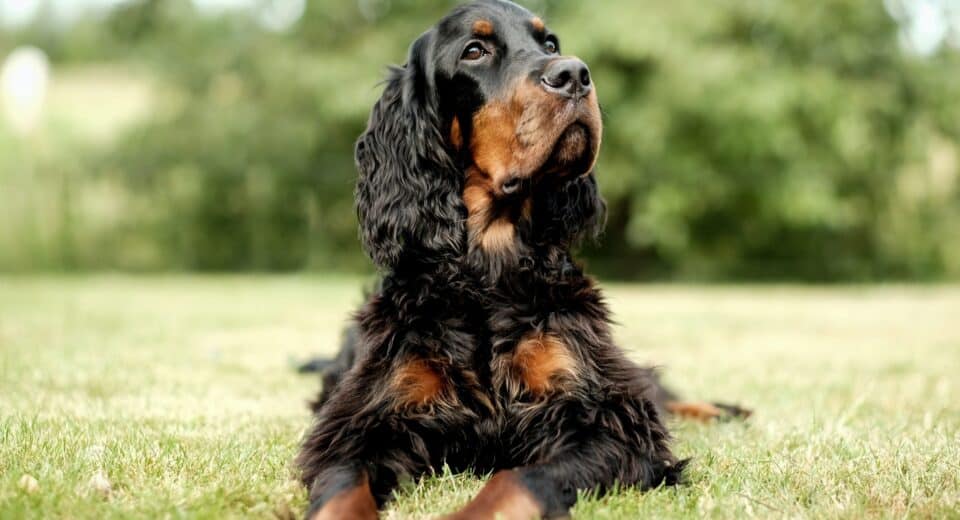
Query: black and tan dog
{"points": [[485, 347]]}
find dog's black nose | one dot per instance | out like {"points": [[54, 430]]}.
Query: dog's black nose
{"points": [[567, 77]]}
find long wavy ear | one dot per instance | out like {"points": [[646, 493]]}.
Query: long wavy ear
{"points": [[408, 192], [570, 214]]}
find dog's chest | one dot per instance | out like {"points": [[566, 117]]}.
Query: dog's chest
{"points": [[538, 365], [474, 380]]}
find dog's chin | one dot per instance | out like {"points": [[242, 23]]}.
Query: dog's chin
{"points": [[573, 154]]}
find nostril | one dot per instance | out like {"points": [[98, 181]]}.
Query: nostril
{"points": [[585, 77], [558, 79]]}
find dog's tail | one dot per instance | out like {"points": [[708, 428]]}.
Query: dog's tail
{"points": [[670, 403], [315, 365]]}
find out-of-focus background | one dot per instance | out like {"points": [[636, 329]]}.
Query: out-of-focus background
{"points": [[802, 141], [146, 143]]}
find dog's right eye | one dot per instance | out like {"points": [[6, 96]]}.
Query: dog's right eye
{"points": [[473, 52]]}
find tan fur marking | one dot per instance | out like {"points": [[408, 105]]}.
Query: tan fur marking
{"points": [[456, 137], [483, 28], [494, 141], [537, 23], [504, 497], [499, 236], [541, 360], [356, 503], [477, 199], [417, 383], [527, 209], [493, 235], [702, 412], [515, 135]]}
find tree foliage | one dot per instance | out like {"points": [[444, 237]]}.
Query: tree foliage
{"points": [[744, 140]]}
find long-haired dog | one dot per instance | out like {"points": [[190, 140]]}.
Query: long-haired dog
{"points": [[485, 347]]}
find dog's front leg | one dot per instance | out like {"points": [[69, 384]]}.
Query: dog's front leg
{"points": [[342, 492], [518, 494], [360, 447], [576, 444]]}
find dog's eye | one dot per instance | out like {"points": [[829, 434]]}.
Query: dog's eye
{"points": [[551, 46], [474, 51]]}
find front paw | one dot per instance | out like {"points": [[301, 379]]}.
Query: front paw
{"points": [[503, 497]]}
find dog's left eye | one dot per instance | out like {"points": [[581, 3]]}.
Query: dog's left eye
{"points": [[473, 52], [551, 46]]}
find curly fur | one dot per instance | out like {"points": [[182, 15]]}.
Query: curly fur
{"points": [[408, 192], [483, 360]]}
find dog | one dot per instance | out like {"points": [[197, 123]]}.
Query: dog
{"points": [[484, 347]]}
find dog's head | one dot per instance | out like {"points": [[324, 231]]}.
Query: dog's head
{"points": [[482, 129]]}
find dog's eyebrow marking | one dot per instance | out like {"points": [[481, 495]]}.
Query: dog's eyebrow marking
{"points": [[483, 28], [537, 23]]}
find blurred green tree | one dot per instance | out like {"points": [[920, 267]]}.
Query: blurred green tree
{"points": [[744, 140]]}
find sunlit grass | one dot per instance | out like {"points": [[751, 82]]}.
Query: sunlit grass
{"points": [[179, 390]]}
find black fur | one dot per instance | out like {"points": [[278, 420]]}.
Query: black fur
{"points": [[408, 192], [444, 315]]}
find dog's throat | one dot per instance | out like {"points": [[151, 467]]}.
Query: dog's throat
{"points": [[498, 236], [491, 218], [496, 230]]}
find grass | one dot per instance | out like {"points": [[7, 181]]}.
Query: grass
{"points": [[178, 391]]}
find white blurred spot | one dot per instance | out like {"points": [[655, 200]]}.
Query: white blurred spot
{"points": [[29, 484], [100, 483], [23, 87], [17, 13], [95, 453], [214, 7], [280, 15], [924, 24]]}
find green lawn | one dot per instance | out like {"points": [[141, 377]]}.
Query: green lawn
{"points": [[178, 392]]}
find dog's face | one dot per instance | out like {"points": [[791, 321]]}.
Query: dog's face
{"points": [[515, 106], [486, 115], [519, 114]]}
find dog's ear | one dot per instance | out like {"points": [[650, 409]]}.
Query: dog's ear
{"points": [[573, 213], [408, 192]]}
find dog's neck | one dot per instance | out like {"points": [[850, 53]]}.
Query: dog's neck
{"points": [[511, 240]]}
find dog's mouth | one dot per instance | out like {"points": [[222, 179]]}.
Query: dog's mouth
{"points": [[535, 137], [573, 154]]}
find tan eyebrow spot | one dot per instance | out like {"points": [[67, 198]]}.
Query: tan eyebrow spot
{"points": [[483, 28], [537, 24]]}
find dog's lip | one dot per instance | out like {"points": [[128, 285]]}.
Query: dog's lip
{"points": [[517, 182], [576, 125]]}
